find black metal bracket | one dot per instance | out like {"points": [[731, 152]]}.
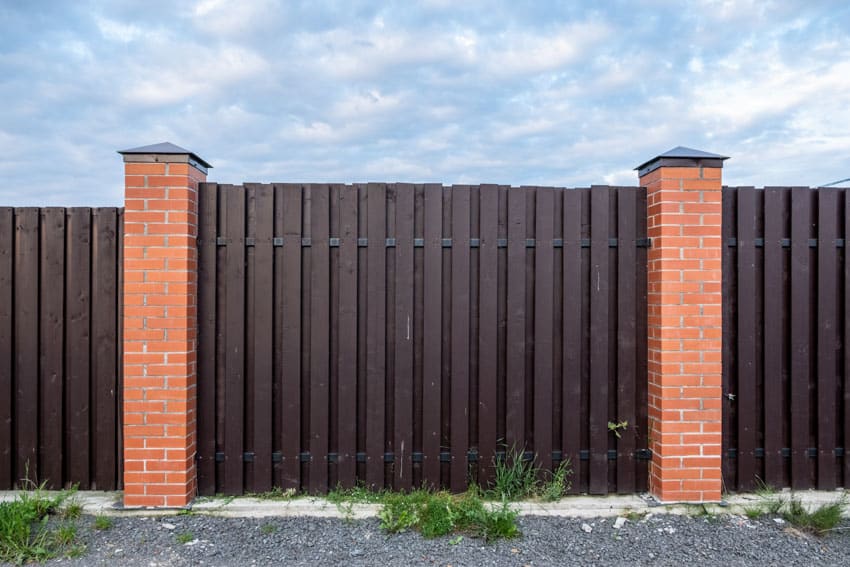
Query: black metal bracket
{"points": [[784, 452]]}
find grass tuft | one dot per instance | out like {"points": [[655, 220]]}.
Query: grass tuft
{"points": [[102, 523], [185, 537], [519, 478], [820, 520]]}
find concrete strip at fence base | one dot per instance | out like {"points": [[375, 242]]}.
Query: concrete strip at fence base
{"points": [[109, 503]]}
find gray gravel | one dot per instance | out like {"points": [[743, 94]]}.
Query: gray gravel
{"points": [[656, 540]]}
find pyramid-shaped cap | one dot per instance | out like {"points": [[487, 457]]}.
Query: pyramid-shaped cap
{"points": [[165, 148], [680, 156]]}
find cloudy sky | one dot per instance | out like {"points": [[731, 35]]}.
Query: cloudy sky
{"points": [[458, 91]]}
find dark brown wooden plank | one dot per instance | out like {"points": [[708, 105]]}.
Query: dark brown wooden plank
{"points": [[206, 383], [77, 328], [432, 329], [641, 369], [51, 330], [404, 336], [846, 349], [26, 345], [459, 406], [234, 357], [626, 336], [729, 228], [515, 386], [263, 321], [599, 338], [775, 214], [376, 335], [290, 337], [104, 363], [119, 313], [572, 336], [543, 327], [347, 391], [801, 326], [250, 310], [488, 308], [7, 388], [746, 394], [827, 336], [319, 336]]}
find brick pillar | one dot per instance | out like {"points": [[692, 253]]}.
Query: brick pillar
{"points": [[160, 290], [683, 191]]}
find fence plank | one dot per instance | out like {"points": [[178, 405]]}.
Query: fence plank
{"points": [[52, 340], [488, 282], [846, 345], [572, 335], [7, 334], [347, 449], [234, 393], [515, 379], [206, 381], [827, 310], [626, 336], [77, 311], [319, 335], [543, 326], [375, 335], [104, 327], [801, 325], [291, 338], [729, 285], [459, 406], [746, 333], [404, 331], [119, 418], [599, 338], [26, 344], [263, 323], [775, 215], [432, 330]]}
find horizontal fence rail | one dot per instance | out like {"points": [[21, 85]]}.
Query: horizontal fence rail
{"points": [[60, 347], [786, 357], [401, 335]]}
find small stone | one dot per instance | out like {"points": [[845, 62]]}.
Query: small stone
{"points": [[619, 523], [779, 521], [514, 550], [586, 528], [168, 526]]}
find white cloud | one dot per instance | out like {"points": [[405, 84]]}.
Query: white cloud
{"points": [[117, 31]]}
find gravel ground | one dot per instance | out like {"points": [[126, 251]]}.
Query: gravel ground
{"points": [[656, 539]]}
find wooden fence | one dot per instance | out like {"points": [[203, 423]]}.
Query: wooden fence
{"points": [[60, 355], [401, 335], [786, 285]]}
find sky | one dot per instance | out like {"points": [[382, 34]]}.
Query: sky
{"points": [[521, 92]]}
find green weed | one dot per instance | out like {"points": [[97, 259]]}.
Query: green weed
{"points": [[102, 523], [515, 478], [559, 484], [276, 493], [820, 520], [25, 531], [185, 537], [616, 427], [268, 529]]}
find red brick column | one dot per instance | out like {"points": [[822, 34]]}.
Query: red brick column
{"points": [[160, 289], [685, 324]]}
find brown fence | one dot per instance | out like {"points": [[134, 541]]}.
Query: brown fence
{"points": [[60, 343], [786, 284], [401, 334]]}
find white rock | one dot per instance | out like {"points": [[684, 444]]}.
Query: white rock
{"points": [[168, 526], [779, 521], [586, 528], [619, 523]]}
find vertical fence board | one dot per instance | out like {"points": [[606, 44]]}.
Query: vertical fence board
{"points": [[77, 311], [263, 322], [375, 335], [319, 336], [515, 386], [846, 346], [572, 335], [774, 343], [459, 406], [432, 326], [347, 443], [104, 290], [234, 393], [26, 345], [599, 339], [827, 310], [801, 223], [403, 340], [51, 387], [7, 337], [746, 333], [207, 285], [729, 285], [488, 281], [291, 338], [626, 336], [543, 326]]}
